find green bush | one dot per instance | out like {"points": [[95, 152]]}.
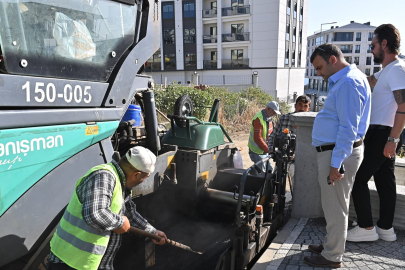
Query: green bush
{"points": [[233, 103]]}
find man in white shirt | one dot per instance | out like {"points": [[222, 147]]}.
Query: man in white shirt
{"points": [[386, 124]]}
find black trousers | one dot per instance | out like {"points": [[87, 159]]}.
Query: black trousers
{"points": [[382, 168], [58, 266]]}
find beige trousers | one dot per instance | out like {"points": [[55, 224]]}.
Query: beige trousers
{"points": [[336, 200]]}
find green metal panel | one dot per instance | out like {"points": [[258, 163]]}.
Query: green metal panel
{"points": [[28, 154], [203, 136]]}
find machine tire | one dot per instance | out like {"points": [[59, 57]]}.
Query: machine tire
{"points": [[183, 107]]}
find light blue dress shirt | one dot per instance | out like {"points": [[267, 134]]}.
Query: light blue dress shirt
{"points": [[345, 116]]}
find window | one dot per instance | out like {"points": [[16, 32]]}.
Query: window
{"points": [[299, 59], [236, 3], [189, 9], [368, 60], [295, 9], [213, 30], [356, 60], [344, 36], [190, 60], [313, 42], [287, 30], [287, 55], [170, 61], [327, 38], [348, 59], [214, 5], [214, 55], [293, 58], [311, 72], [294, 33], [370, 36], [357, 50], [236, 54], [168, 10], [301, 14], [168, 36], [288, 7], [369, 48], [189, 35], [154, 62], [367, 71], [358, 36], [346, 49], [376, 69]]}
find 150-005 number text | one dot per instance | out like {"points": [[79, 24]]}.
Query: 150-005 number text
{"points": [[70, 93]]}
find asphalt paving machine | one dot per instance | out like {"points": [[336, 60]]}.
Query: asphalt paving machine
{"points": [[68, 72]]}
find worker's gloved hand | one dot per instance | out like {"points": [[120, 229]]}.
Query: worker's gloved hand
{"points": [[163, 240], [125, 226]]}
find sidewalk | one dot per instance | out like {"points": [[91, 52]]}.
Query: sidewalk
{"points": [[291, 245]]}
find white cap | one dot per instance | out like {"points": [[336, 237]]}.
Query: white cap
{"points": [[273, 105], [142, 159]]}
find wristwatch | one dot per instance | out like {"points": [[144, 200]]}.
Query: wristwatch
{"points": [[393, 140]]}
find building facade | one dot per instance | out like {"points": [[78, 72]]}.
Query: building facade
{"points": [[229, 42], [354, 41]]}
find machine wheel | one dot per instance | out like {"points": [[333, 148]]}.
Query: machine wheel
{"points": [[183, 107]]}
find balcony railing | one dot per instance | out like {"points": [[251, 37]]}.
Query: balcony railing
{"points": [[356, 51], [210, 64], [230, 11], [209, 13], [235, 63], [153, 66], [347, 51], [235, 37], [210, 39], [369, 51]]}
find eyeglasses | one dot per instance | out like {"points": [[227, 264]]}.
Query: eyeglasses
{"points": [[372, 45]]}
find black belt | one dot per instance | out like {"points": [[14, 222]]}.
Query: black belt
{"points": [[379, 127], [331, 146]]}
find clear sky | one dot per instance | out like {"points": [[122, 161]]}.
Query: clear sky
{"points": [[374, 11]]}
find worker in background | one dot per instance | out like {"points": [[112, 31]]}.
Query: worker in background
{"points": [[100, 210], [302, 104], [262, 127]]}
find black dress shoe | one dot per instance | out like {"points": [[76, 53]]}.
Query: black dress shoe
{"points": [[315, 248], [320, 261]]}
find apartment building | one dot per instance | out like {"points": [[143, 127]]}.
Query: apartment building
{"points": [[354, 41], [231, 43]]}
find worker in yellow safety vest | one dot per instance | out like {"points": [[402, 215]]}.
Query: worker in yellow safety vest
{"points": [[100, 210], [261, 128]]}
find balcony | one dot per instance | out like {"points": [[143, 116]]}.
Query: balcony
{"points": [[209, 13], [369, 51], [231, 11], [356, 51], [235, 37], [235, 63], [347, 51], [210, 39], [210, 64]]}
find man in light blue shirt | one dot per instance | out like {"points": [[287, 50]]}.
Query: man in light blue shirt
{"points": [[337, 136]]}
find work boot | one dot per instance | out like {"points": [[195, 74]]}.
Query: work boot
{"points": [[358, 234], [317, 249], [386, 235], [320, 261]]}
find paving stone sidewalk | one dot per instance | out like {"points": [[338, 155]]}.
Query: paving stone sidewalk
{"points": [[363, 256]]}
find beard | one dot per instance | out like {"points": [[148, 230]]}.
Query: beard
{"points": [[378, 59]]}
